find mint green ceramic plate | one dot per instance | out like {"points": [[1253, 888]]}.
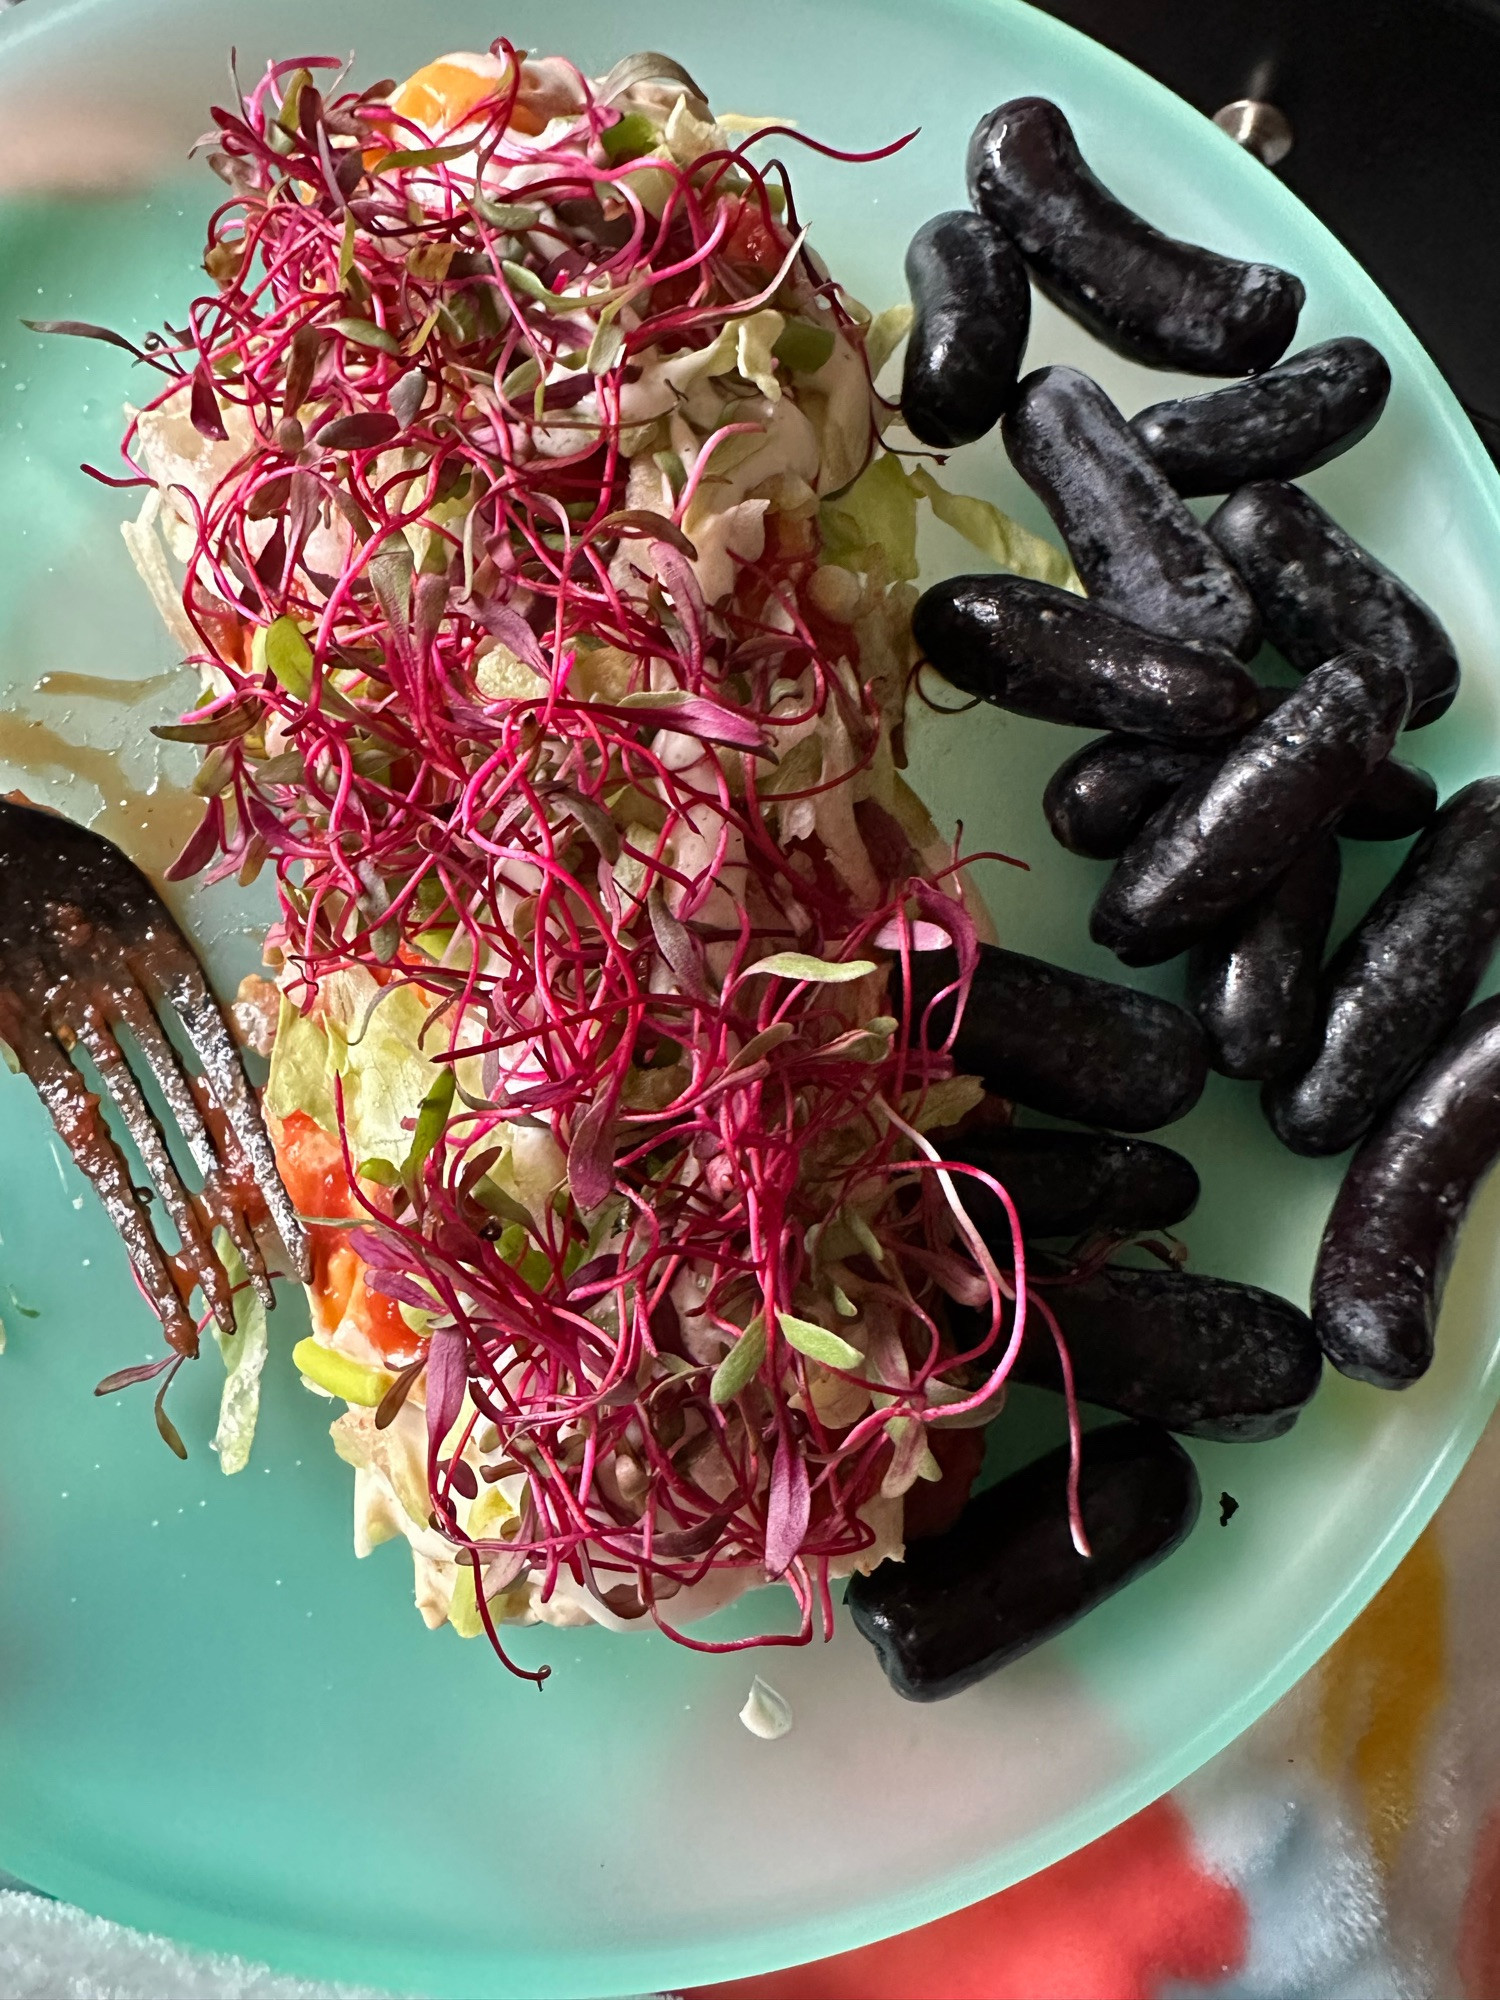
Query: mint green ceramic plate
{"points": [[213, 1722]]}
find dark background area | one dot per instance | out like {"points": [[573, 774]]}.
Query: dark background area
{"points": [[1395, 108]]}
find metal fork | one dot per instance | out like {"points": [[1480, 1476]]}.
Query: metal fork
{"points": [[88, 948]]}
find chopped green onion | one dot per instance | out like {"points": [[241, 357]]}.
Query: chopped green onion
{"points": [[803, 347], [339, 1375], [431, 1118], [629, 138]]}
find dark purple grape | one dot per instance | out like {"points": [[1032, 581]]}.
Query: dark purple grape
{"points": [[1043, 652], [1063, 1043], [1227, 837], [1391, 1235], [1204, 1357], [1254, 986], [1398, 984], [1295, 417], [972, 312], [1321, 594], [1148, 296], [1006, 1576], [1063, 1183], [1138, 550], [1098, 801]]}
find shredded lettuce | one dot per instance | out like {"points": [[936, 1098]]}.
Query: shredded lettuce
{"points": [[370, 1038], [144, 543], [244, 1353], [302, 1071], [487, 1519], [463, 1610], [879, 512], [687, 137], [885, 334], [396, 1454], [743, 346], [629, 138], [995, 534], [804, 347], [754, 360]]}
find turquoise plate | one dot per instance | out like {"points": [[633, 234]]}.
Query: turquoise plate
{"points": [[213, 1721]]}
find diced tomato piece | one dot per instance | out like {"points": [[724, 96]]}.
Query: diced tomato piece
{"points": [[312, 1166], [751, 241], [226, 629], [380, 1319]]}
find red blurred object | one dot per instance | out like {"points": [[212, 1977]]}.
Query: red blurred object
{"points": [[1119, 1920]]}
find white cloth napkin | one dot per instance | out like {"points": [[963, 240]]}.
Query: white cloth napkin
{"points": [[50, 1951]]}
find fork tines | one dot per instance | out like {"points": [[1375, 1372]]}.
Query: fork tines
{"points": [[89, 951]]}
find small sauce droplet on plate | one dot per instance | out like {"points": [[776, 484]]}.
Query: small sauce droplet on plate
{"points": [[766, 1713]]}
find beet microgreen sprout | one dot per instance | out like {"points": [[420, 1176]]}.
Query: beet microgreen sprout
{"points": [[477, 713]]}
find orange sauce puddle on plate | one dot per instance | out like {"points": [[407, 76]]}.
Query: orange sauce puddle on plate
{"points": [[98, 687], [152, 826]]}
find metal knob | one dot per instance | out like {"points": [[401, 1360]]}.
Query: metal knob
{"points": [[1257, 126]]}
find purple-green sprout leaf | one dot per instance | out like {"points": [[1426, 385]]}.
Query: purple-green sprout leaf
{"points": [[514, 216], [819, 971], [420, 156], [789, 1507], [203, 407], [817, 1343], [365, 333], [363, 430], [407, 395], [447, 1379], [289, 657], [740, 1365]]}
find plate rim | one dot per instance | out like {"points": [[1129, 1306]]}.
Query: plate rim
{"points": [[327, 1954]]}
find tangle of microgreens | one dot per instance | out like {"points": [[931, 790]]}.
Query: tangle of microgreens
{"points": [[411, 337]]}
